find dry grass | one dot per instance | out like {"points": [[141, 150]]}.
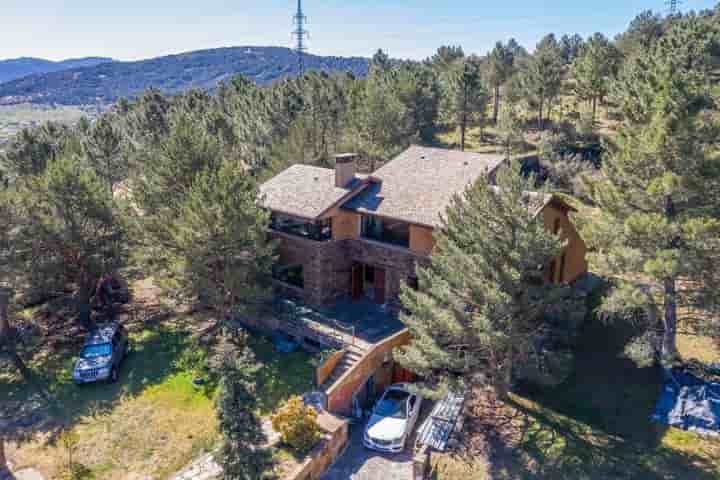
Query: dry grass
{"points": [[447, 466], [154, 433]]}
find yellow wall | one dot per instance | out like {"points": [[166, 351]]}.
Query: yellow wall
{"points": [[421, 240], [575, 251], [345, 225]]}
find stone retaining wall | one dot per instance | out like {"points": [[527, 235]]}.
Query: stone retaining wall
{"points": [[329, 449]]}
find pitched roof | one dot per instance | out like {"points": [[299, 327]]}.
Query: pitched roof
{"points": [[418, 185], [305, 191]]}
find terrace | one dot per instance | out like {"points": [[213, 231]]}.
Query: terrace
{"points": [[347, 322]]}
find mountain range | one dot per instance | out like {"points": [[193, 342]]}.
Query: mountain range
{"points": [[106, 82], [21, 67]]}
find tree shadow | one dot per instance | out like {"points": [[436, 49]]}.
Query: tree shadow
{"points": [[594, 425], [156, 343]]}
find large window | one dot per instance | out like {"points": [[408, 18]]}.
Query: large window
{"points": [[320, 231], [386, 231]]}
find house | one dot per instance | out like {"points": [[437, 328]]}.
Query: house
{"points": [[348, 234], [349, 239]]}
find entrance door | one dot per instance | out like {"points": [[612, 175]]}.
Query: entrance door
{"points": [[357, 281], [380, 286]]}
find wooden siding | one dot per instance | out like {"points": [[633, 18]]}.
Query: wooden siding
{"points": [[421, 239], [574, 263], [345, 225]]}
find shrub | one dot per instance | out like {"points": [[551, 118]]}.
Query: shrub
{"points": [[297, 424]]}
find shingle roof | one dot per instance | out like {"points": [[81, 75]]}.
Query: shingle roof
{"points": [[418, 185], [305, 191]]}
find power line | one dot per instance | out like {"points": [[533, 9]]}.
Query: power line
{"points": [[300, 34]]}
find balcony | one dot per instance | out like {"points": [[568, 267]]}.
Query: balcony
{"points": [[319, 231], [391, 232]]}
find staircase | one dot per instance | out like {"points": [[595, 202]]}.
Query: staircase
{"points": [[353, 354]]}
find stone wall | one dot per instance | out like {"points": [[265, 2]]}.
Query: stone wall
{"points": [[399, 263], [377, 361], [329, 449], [326, 267]]}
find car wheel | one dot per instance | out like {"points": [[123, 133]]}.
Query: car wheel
{"points": [[114, 375]]}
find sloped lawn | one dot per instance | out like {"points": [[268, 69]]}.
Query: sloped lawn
{"points": [[153, 421]]}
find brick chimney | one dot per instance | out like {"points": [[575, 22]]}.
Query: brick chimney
{"points": [[345, 168]]}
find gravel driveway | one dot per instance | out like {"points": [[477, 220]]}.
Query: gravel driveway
{"points": [[358, 463]]}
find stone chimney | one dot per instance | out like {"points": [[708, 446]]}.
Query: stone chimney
{"points": [[345, 168]]}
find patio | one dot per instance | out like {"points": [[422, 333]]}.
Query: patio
{"points": [[348, 321]]}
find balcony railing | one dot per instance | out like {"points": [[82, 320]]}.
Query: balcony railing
{"points": [[318, 231]]}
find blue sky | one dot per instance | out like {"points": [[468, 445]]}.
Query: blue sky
{"points": [[135, 29]]}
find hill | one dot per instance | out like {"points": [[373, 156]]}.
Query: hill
{"points": [[106, 82], [15, 68]]}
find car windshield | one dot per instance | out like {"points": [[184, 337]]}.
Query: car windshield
{"points": [[94, 351], [393, 404]]}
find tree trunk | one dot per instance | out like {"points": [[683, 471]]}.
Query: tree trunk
{"points": [[540, 115], [594, 109], [463, 120], [496, 105], [669, 343], [3, 458]]}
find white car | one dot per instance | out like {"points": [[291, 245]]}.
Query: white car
{"points": [[392, 419]]}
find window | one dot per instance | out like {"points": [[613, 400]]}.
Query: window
{"points": [[385, 230], [413, 283]]}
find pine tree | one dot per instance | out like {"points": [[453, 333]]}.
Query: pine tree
{"points": [[659, 191], [241, 453], [216, 248], [501, 66], [541, 76], [103, 145], [378, 116], [69, 232], [594, 69], [465, 96], [570, 47], [419, 91], [445, 57], [32, 149], [481, 300]]}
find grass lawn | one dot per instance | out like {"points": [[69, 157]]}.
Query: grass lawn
{"points": [[153, 421]]}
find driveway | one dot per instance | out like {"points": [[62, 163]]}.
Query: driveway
{"points": [[358, 463]]}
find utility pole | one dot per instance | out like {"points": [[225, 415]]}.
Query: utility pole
{"points": [[673, 6], [300, 34]]}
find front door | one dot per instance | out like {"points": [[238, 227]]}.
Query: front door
{"points": [[380, 286], [357, 281]]}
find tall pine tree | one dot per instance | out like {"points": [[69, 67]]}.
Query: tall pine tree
{"points": [[241, 453], [659, 190], [481, 300], [541, 76]]}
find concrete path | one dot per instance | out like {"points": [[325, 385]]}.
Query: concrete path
{"points": [[358, 463], [24, 474]]}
